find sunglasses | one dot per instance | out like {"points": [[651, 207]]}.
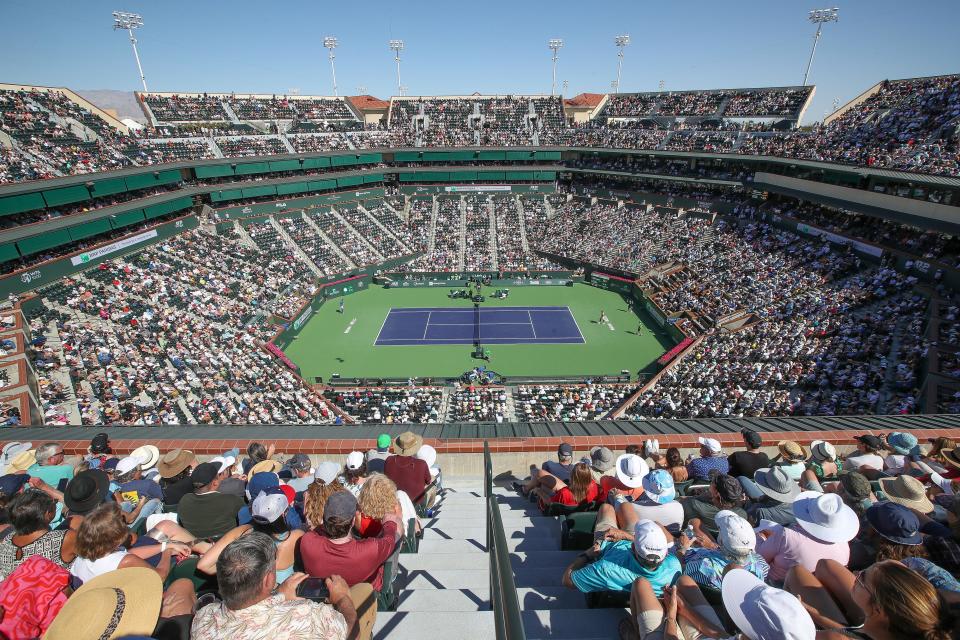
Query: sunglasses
{"points": [[861, 581]]}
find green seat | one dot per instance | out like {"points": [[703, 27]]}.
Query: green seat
{"points": [[388, 596], [188, 569], [576, 531], [682, 487], [554, 509], [607, 599], [410, 542]]}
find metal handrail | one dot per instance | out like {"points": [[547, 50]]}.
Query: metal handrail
{"points": [[508, 622]]}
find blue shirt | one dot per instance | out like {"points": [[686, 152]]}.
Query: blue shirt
{"points": [[706, 566], [616, 569], [700, 468], [136, 490]]}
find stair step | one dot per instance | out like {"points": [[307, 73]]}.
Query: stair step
{"points": [[539, 543], [445, 600], [538, 576], [469, 545], [542, 559], [447, 579], [415, 625], [441, 531], [541, 598], [444, 561], [582, 624]]}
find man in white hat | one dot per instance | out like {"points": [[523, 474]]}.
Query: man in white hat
{"points": [[134, 490], [711, 459], [614, 565], [706, 561]]}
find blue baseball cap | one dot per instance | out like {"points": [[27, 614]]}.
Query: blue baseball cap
{"points": [[906, 444], [658, 486], [11, 483], [260, 482], [895, 522]]}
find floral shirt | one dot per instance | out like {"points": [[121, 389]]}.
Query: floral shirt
{"points": [[269, 619]]}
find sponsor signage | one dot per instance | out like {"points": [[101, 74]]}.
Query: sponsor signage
{"points": [[862, 247], [299, 322], [105, 250], [477, 188]]}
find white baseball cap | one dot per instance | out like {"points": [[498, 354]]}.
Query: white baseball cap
{"points": [[354, 460], [631, 470], [762, 612], [944, 483], [428, 454], [736, 534], [128, 464], [710, 443], [327, 471], [225, 462], [649, 540], [269, 506]]}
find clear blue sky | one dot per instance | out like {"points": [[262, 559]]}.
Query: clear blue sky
{"points": [[490, 47]]}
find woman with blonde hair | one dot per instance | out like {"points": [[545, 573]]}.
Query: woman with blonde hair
{"points": [[315, 498], [378, 498]]}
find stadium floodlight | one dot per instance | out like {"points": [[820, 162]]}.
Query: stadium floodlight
{"points": [[566, 85], [555, 44], [361, 90], [131, 21], [397, 46], [819, 17], [330, 42], [621, 42]]}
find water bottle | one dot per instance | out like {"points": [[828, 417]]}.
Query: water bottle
{"points": [[688, 531]]}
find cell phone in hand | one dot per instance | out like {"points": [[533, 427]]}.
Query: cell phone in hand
{"points": [[313, 589]]}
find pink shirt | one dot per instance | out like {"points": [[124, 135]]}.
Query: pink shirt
{"points": [[790, 546]]}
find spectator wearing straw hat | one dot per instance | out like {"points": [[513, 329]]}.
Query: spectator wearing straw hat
{"points": [[792, 459], [909, 492], [408, 472], [174, 469]]}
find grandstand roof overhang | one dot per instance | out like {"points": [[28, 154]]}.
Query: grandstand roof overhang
{"points": [[369, 104]]}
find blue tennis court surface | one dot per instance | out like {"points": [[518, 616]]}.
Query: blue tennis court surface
{"points": [[500, 325]]}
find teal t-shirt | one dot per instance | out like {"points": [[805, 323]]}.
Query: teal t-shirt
{"points": [[617, 568], [52, 474]]}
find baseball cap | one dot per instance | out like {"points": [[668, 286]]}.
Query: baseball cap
{"points": [[327, 471], [224, 462], [895, 522], [110, 464], [736, 534], [260, 482], [341, 505], [100, 443], [299, 461], [204, 473], [728, 487], [128, 464], [565, 450], [383, 441], [12, 483], [856, 485], [268, 507], [763, 612], [285, 490], [649, 540], [871, 441], [354, 460], [752, 438], [658, 486], [710, 443]]}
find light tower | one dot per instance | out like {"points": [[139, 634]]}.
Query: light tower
{"points": [[555, 44], [566, 86], [819, 17], [131, 21], [397, 46], [330, 42], [621, 42]]}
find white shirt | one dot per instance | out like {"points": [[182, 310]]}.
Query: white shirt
{"points": [[865, 460]]}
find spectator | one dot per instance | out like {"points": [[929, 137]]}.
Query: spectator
{"points": [[657, 503], [336, 551], [551, 475], [735, 548], [378, 499], [138, 495], [99, 450], [626, 485], [174, 469], [771, 494], [615, 565], [377, 457], [866, 459], [822, 465], [314, 501], [792, 459], [30, 513], [36, 591], [255, 608], [725, 494], [87, 491], [50, 466], [601, 463], [709, 460], [745, 463], [411, 474], [909, 492], [762, 612], [674, 464], [429, 455], [825, 526], [206, 512], [299, 465], [580, 490], [355, 472]]}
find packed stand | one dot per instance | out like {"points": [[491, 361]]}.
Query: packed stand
{"points": [[570, 403], [247, 146], [390, 406], [177, 108]]}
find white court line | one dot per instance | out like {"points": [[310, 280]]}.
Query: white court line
{"points": [[427, 325], [382, 324], [350, 326], [542, 340], [532, 328], [577, 325]]}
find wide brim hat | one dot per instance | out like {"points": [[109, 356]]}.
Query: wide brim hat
{"points": [[899, 490], [21, 462], [874, 516], [791, 450], [124, 602], [10, 450], [601, 459], [86, 491], [952, 456], [763, 476], [408, 443], [149, 456], [265, 466], [823, 451], [750, 602], [175, 461], [635, 481], [844, 527]]}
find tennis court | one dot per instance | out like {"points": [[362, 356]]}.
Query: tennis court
{"points": [[489, 325]]}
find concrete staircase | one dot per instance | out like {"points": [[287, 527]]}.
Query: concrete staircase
{"points": [[548, 609], [462, 259], [494, 248], [432, 237], [330, 243], [445, 588], [292, 244]]}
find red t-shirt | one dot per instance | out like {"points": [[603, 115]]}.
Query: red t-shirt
{"points": [[369, 527], [410, 474], [355, 561], [565, 496], [611, 482]]}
